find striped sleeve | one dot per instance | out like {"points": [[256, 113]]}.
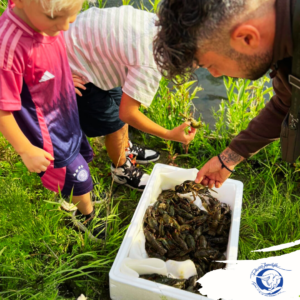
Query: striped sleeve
{"points": [[10, 90], [11, 67], [142, 83]]}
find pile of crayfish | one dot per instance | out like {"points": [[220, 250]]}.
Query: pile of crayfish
{"points": [[177, 229]]}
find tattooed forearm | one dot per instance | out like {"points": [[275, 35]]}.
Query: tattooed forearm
{"points": [[231, 157]]}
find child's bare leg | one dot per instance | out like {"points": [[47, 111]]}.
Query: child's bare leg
{"points": [[115, 144], [84, 203]]}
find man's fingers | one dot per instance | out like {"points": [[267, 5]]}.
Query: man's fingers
{"points": [[78, 92], [199, 177], [211, 183], [218, 184], [205, 181], [201, 174]]}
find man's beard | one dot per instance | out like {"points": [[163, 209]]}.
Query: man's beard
{"points": [[253, 66]]}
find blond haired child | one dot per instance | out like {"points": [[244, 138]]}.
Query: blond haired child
{"points": [[38, 109]]}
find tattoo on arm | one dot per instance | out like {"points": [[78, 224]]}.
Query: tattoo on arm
{"points": [[229, 156]]}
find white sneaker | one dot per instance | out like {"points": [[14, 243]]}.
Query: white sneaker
{"points": [[130, 175], [143, 156]]}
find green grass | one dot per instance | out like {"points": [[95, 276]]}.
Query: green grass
{"points": [[3, 4], [42, 256]]}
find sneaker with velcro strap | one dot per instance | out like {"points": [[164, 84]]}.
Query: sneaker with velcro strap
{"points": [[130, 175], [142, 155], [91, 224]]}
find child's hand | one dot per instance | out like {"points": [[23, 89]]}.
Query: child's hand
{"points": [[178, 134], [78, 82], [36, 159]]}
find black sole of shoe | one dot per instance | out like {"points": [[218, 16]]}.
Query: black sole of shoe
{"points": [[128, 185], [137, 189]]}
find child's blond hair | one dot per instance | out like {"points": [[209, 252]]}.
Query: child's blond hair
{"points": [[57, 5]]}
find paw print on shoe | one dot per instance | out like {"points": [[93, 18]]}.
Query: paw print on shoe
{"points": [[81, 174]]}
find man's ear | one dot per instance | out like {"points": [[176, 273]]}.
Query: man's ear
{"points": [[19, 3], [245, 39]]}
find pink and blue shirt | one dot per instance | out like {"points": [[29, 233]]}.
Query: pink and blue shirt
{"points": [[36, 85]]}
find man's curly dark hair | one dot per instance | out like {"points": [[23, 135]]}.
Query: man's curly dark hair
{"points": [[184, 26]]}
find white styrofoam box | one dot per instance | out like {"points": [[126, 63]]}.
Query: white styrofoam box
{"points": [[125, 287]]}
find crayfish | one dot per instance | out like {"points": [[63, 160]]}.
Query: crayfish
{"points": [[176, 228], [194, 123]]}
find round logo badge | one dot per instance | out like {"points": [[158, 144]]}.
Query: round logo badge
{"points": [[270, 281], [82, 175]]}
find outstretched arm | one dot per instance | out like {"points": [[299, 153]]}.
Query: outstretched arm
{"points": [[129, 113], [265, 128], [262, 130]]}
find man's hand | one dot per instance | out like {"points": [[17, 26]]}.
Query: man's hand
{"points": [[178, 134], [78, 82], [212, 173], [36, 159]]}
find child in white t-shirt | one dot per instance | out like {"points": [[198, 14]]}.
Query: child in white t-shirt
{"points": [[109, 49]]}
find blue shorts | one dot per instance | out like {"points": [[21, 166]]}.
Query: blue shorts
{"points": [[75, 176]]}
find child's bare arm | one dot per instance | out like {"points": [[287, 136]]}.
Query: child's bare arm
{"points": [[129, 113], [36, 159]]}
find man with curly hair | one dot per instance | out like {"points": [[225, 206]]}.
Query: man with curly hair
{"points": [[237, 38]]}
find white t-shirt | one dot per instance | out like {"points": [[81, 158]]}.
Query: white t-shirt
{"points": [[112, 47]]}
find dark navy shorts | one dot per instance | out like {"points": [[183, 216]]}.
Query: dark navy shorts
{"points": [[74, 177], [99, 110]]}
